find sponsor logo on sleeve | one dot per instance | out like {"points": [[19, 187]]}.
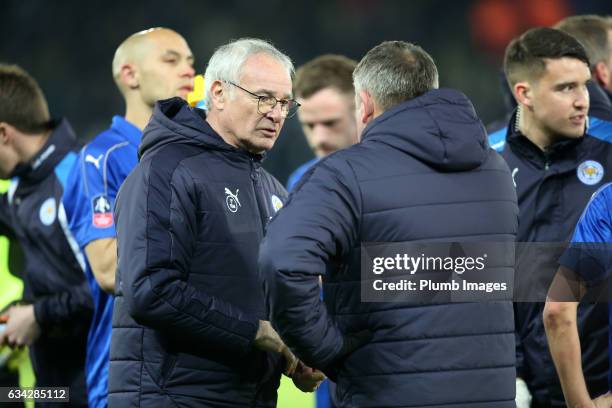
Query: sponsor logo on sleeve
{"points": [[101, 210], [93, 160]]}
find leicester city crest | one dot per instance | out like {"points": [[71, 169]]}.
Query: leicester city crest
{"points": [[590, 172]]}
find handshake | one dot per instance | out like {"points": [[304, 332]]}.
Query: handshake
{"points": [[306, 379]]}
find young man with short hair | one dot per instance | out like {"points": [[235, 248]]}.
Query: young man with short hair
{"points": [[556, 167], [324, 89]]}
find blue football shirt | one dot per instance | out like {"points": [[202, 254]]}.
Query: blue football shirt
{"points": [[89, 199], [593, 262]]}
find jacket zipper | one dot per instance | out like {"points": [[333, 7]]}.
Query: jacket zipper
{"points": [[257, 190]]}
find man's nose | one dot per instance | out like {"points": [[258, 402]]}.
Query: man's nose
{"points": [[276, 114], [582, 99], [188, 71]]}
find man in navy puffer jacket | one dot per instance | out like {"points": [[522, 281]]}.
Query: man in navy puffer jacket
{"points": [[422, 172], [189, 321]]}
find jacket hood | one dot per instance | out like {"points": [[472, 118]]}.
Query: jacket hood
{"points": [[439, 128], [174, 121], [600, 105]]}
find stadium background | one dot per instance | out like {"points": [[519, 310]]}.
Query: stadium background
{"points": [[68, 45]]}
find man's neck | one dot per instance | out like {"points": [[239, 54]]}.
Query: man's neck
{"points": [[31, 146], [528, 127], [216, 125], [138, 114]]}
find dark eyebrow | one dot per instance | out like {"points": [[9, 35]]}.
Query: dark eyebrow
{"points": [[564, 84], [269, 93]]}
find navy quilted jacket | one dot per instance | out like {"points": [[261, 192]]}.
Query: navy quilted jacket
{"points": [[190, 218], [423, 171]]}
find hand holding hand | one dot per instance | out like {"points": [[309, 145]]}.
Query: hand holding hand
{"points": [[267, 339], [307, 379]]}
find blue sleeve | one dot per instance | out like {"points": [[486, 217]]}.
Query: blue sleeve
{"points": [[319, 223], [157, 234], [90, 195], [589, 251]]}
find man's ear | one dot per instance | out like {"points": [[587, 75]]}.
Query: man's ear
{"points": [[128, 75], [366, 108], [6, 133], [219, 94], [602, 74], [523, 94]]}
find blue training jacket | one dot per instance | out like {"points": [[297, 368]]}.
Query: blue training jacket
{"points": [[594, 262]]}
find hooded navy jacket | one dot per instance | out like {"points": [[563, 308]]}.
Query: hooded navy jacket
{"points": [[553, 190], [423, 172], [189, 220], [54, 278]]}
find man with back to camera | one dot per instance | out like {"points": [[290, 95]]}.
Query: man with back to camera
{"points": [[399, 184], [324, 89], [37, 153], [148, 66], [556, 167], [190, 323]]}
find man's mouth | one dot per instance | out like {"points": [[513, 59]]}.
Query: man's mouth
{"points": [[577, 119], [268, 131]]}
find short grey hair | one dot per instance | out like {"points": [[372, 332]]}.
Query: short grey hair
{"points": [[227, 61], [394, 72]]}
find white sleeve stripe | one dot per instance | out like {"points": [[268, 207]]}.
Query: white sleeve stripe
{"points": [[104, 174], [76, 250]]}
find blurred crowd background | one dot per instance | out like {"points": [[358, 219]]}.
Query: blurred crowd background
{"points": [[68, 45]]}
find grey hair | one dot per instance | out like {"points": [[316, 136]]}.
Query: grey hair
{"points": [[394, 72], [227, 61]]}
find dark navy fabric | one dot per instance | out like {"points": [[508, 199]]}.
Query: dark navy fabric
{"points": [[189, 221], [599, 121], [553, 187], [423, 172], [99, 171], [54, 279], [299, 172]]}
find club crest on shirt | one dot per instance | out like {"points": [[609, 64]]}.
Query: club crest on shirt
{"points": [[590, 172], [48, 211], [231, 200], [101, 210], [277, 203]]}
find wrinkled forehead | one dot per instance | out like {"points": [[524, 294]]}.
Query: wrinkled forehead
{"points": [[265, 74]]}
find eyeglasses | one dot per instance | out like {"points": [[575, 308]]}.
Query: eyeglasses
{"points": [[266, 104]]}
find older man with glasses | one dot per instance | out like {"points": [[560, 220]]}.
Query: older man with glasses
{"points": [[190, 324]]}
